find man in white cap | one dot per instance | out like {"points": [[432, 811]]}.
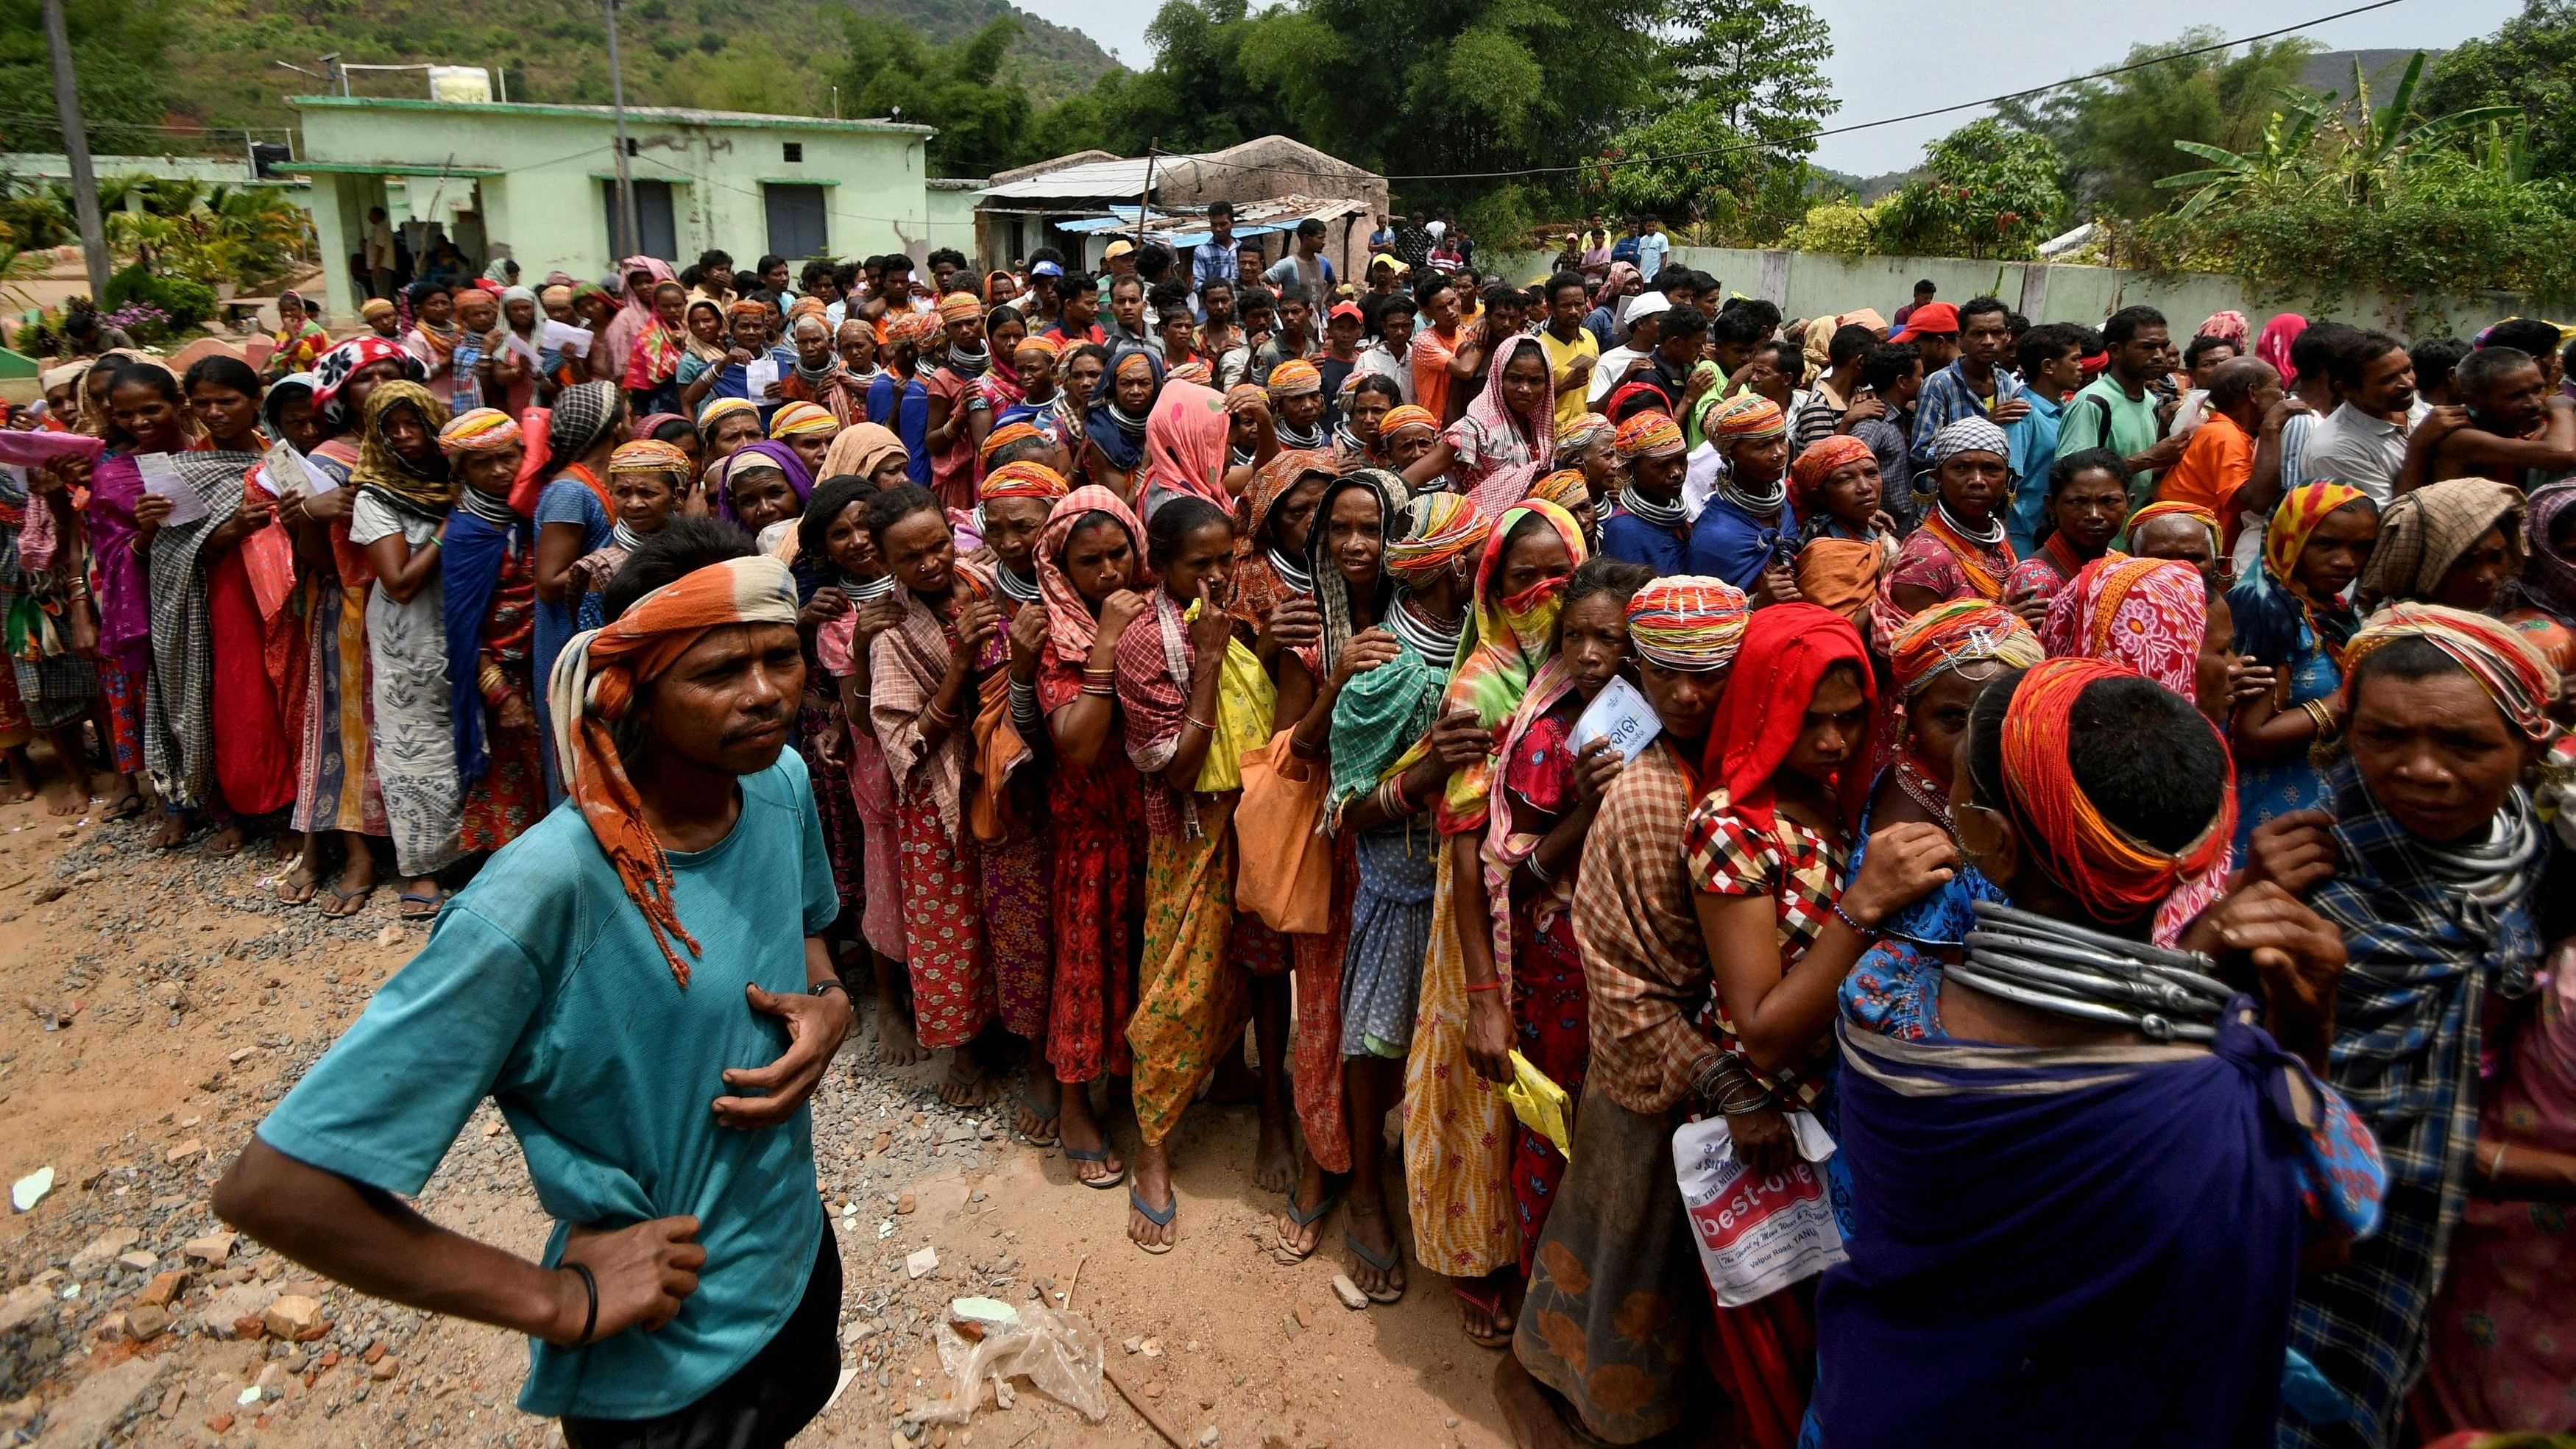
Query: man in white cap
{"points": [[1645, 328]]}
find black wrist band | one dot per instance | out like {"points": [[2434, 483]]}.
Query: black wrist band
{"points": [[590, 1319], [817, 988]]}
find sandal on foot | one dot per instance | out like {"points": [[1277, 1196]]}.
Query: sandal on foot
{"points": [[1115, 1179], [1046, 1135], [126, 806], [1162, 1219], [1305, 1220], [285, 889], [339, 905], [1392, 1262], [1490, 1300], [433, 901]]}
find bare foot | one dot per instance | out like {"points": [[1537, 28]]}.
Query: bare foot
{"points": [[1529, 1410], [64, 797], [965, 1085], [1313, 1200], [1153, 1185], [1079, 1132], [20, 787], [1370, 1229], [173, 829], [897, 1046], [228, 839], [1034, 1116], [1274, 1159]]}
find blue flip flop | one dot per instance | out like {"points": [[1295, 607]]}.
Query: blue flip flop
{"points": [[1118, 1179], [1160, 1219], [1305, 1220], [1386, 1263]]}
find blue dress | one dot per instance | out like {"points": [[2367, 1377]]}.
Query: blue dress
{"points": [[2272, 628], [1942, 918], [565, 500]]}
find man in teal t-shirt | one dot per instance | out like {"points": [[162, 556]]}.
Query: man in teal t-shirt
{"points": [[652, 1045], [2118, 409]]}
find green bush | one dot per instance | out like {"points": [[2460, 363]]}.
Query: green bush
{"points": [[187, 303]]}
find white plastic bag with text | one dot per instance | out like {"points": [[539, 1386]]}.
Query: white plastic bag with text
{"points": [[1756, 1235]]}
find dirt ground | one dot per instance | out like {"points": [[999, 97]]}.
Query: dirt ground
{"points": [[152, 1006]]}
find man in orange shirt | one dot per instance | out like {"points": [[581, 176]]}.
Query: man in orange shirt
{"points": [[2221, 455]]}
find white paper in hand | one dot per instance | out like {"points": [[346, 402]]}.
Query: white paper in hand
{"points": [[567, 339], [161, 475], [1621, 715], [284, 468], [759, 376]]}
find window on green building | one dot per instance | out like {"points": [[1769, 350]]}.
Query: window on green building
{"points": [[797, 226]]}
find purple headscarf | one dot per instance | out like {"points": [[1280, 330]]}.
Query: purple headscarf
{"points": [[720, 477]]}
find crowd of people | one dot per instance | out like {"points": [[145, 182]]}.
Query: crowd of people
{"points": [[2082, 803]]}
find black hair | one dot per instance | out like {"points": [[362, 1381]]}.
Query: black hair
{"points": [[1850, 343], [1563, 280], [1088, 349], [1046, 254], [424, 289], [2353, 359], [1251, 299], [2313, 353], [894, 262], [1676, 275], [891, 506], [1250, 244], [670, 553], [145, 374], [1980, 306], [2126, 323], [1925, 285], [950, 255], [2527, 333], [832, 498], [1504, 294], [1127, 279], [1216, 284], [768, 260], [714, 257], [225, 372], [1381, 383], [2201, 346], [1602, 574], [1026, 450], [1171, 525], [994, 319], [1890, 363], [2476, 373], [1170, 292], [1221, 208], [1745, 324], [1154, 261], [1078, 284], [2409, 658], [1392, 303], [1430, 286], [1166, 316], [2085, 460], [2435, 359], [670, 431], [2044, 344], [2018, 323], [1788, 356], [1311, 226], [817, 268], [2141, 753], [1679, 322]]}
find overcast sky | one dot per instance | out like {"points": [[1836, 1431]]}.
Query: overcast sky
{"points": [[1895, 56]]}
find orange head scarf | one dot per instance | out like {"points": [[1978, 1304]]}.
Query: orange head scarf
{"points": [[596, 681]]}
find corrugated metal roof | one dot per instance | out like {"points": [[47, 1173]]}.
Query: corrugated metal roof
{"points": [[1124, 177]]}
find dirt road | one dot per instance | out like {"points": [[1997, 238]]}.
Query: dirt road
{"points": [[152, 1006]]}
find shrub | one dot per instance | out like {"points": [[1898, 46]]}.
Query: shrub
{"points": [[182, 302]]}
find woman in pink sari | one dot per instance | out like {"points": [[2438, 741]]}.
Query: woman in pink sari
{"points": [[608, 355]]}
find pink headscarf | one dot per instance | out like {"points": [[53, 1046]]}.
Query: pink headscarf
{"points": [[2274, 347], [1492, 484], [1185, 444], [635, 313], [2230, 325]]}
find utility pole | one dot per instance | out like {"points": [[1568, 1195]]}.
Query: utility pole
{"points": [[93, 233], [632, 239], [1145, 203]]}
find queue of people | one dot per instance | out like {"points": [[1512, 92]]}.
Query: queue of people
{"points": [[2086, 810]]}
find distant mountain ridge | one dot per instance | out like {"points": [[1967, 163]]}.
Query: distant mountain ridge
{"points": [[751, 55]]}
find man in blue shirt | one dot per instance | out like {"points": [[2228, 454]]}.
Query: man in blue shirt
{"points": [[2052, 368], [1213, 260], [641, 983], [1652, 247], [1975, 384]]}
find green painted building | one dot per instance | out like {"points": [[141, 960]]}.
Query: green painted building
{"points": [[538, 183]]}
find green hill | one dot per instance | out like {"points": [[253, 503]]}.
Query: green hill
{"points": [[754, 55]]}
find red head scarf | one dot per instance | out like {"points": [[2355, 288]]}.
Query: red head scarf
{"points": [[1185, 443], [1071, 626], [1787, 649]]}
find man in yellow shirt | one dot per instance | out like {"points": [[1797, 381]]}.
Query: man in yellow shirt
{"points": [[1572, 352]]}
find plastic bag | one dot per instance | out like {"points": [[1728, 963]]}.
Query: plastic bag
{"points": [[1756, 1235], [1060, 1354], [1541, 1105], [1283, 869]]}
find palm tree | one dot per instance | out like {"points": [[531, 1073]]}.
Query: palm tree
{"points": [[2319, 143]]}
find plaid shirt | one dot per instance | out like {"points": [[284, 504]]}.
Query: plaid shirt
{"points": [[1946, 398], [2406, 1057], [1644, 961]]}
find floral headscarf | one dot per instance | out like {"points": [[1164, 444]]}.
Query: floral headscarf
{"points": [[1506, 641], [1486, 477], [2150, 614], [1185, 446]]}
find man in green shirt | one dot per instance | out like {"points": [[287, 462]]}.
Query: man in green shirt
{"points": [[2118, 409], [640, 983]]}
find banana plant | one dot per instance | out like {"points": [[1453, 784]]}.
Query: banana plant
{"points": [[2281, 167]]}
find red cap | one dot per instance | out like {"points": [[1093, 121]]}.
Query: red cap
{"points": [[1930, 317], [1346, 309]]}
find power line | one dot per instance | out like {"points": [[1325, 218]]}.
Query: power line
{"points": [[1817, 133]]}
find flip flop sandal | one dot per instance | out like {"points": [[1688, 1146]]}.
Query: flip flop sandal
{"points": [[1050, 1119], [349, 903], [126, 806], [1489, 1299], [1163, 1219], [311, 888], [1305, 1220], [414, 898], [1116, 1179], [1388, 1263]]}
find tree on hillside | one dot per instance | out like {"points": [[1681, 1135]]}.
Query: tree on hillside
{"points": [[116, 54], [2117, 135], [892, 71], [1758, 65], [2530, 62], [1990, 191]]}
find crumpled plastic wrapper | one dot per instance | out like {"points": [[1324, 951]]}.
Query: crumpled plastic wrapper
{"points": [[1060, 1354]]}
